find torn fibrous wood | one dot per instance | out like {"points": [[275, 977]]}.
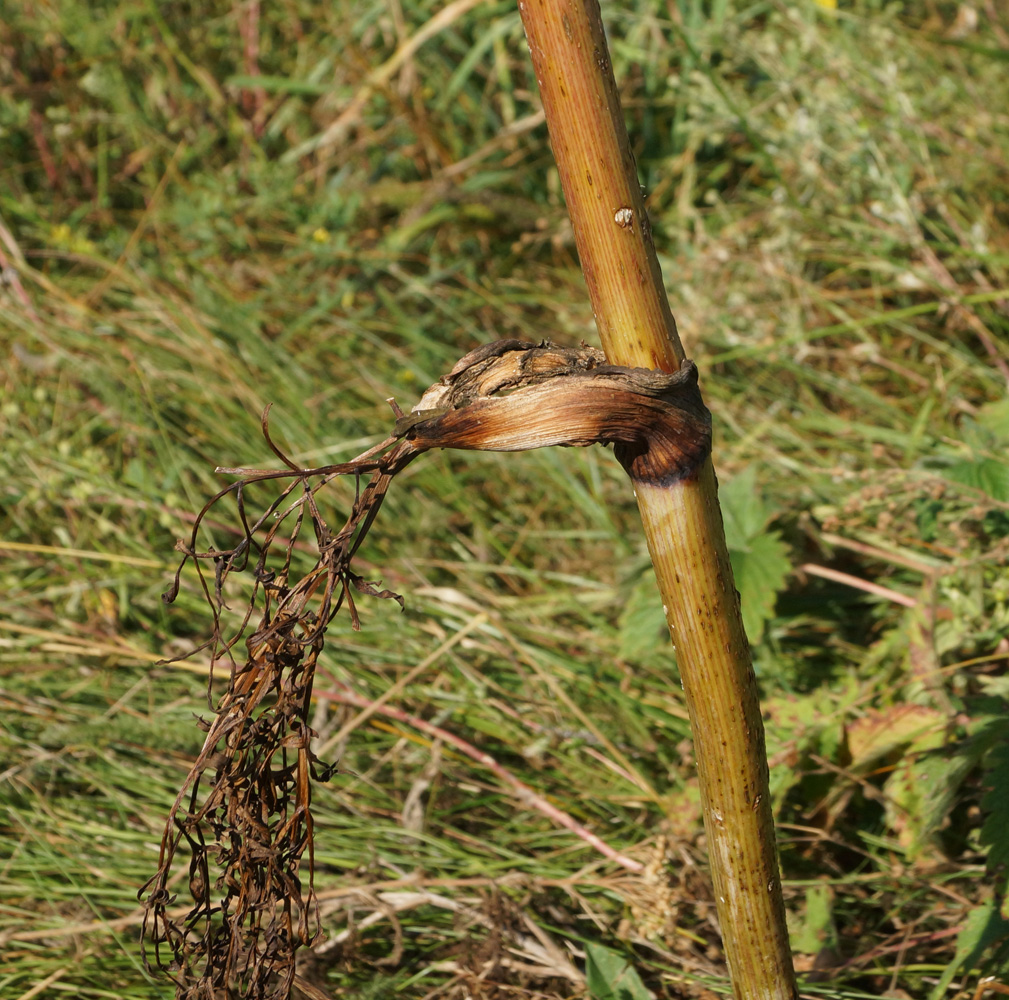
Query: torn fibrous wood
{"points": [[514, 396]]}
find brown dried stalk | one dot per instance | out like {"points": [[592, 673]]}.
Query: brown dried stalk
{"points": [[254, 819]]}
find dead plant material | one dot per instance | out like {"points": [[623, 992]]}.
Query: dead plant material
{"points": [[245, 807]]}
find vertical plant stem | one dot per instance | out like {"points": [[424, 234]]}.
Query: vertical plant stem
{"points": [[682, 520]]}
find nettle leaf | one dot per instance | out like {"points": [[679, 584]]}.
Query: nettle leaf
{"points": [[759, 557], [744, 512], [989, 475], [987, 432], [760, 564], [907, 795], [642, 622], [611, 977], [941, 773], [761, 571]]}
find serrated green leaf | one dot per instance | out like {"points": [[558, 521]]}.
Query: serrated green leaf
{"points": [[642, 622], [759, 558], [760, 571], [908, 795], [760, 565], [939, 776], [743, 511], [986, 474], [611, 977], [942, 772]]}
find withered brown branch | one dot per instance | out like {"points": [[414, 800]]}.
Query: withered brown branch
{"points": [[246, 803]]}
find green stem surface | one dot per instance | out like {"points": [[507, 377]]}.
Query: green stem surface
{"points": [[682, 522]]}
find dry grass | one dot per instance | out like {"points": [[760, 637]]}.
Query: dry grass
{"points": [[827, 193]]}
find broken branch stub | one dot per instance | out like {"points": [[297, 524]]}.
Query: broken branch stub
{"points": [[245, 807]]}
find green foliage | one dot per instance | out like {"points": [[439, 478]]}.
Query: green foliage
{"points": [[817, 930], [983, 928], [642, 622], [995, 832], [760, 564], [988, 475], [611, 976], [939, 775], [986, 435], [760, 560]]}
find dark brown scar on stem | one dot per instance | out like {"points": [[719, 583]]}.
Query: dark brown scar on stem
{"points": [[515, 396]]}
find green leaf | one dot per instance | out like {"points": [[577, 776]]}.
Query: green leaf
{"points": [[939, 774], [995, 831], [817, 931], [642, 623], [982, 928], [927, 513], [743, 511], [760, 571], [611, 977], [760, 561], [987, 474], [988, 925], [995, 417]]}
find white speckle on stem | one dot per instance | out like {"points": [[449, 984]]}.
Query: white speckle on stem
{"points": [[624, 218]]}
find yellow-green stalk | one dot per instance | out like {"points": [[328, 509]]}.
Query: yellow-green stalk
{"points": [[682, 521]]}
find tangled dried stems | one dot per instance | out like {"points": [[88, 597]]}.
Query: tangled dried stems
{"points": [[245, 925], [246, 802]]}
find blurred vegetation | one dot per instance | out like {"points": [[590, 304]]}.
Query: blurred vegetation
{"points": [[208, 207]]}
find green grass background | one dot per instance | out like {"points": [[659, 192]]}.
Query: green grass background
{"points": [[208, 207]]}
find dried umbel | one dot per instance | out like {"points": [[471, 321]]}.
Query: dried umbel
{"points": [[245, 808]]}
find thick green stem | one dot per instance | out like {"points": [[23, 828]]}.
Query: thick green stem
{"points": [[682, 521]]}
